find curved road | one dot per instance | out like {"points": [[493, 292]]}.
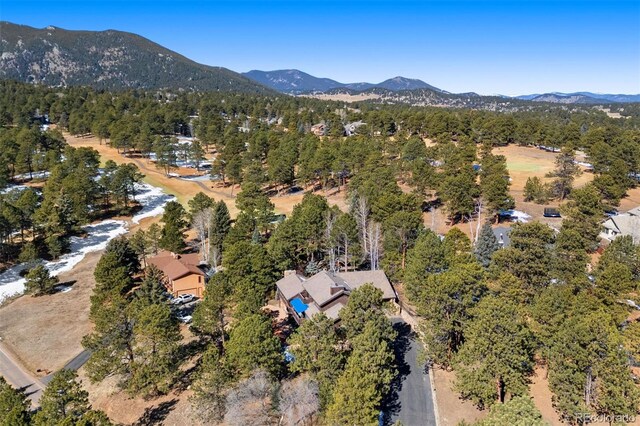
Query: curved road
{"points": [[20, 378]]}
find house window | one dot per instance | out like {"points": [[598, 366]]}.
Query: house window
{"points": [[199, 279]]}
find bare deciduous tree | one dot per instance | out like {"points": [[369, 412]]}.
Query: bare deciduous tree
{"points": [[299, 401], [361, 212], [374, 236], [331, 249], [201, 222], [250, 402]]}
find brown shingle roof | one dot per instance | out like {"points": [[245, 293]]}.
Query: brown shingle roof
{"points": [[175, 266]]}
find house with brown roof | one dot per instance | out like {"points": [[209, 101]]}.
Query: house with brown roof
{"points": [[183, 273], [326, 292]]}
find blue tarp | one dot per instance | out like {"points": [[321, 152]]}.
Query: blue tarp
{"points": [[298, 305]]}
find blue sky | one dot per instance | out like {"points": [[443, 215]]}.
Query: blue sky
{"points": [[491, 47]]}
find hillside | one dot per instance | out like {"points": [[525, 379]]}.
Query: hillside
{"points": [[107, 60]]}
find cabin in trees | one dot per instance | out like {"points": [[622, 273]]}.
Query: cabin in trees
{"points": [[319, 129], [623, 224], [184, 273], [326, 292]]}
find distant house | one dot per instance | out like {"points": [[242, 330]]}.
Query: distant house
{"points": [[351, 129], [183, 273], [319, 129], [326, 292]]}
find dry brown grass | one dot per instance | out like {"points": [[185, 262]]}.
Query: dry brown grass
{"points": [[451, 409], [185, 190]]}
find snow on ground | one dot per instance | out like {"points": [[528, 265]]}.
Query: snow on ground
{"points": [[10, 188], [152, 199], [194, 178], [518, 216], [99, 235], [34, 175]]}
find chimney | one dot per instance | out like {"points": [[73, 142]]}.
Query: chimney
{"points": [[289, 272], [336, 289]]}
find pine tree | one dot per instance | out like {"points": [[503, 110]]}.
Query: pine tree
{"points": [[366, 378], [212, 378], [200, 202], [14, 406], [494, 184], [124, 253], [365, 306], [155, 340], [172, 238], [444, 301], [252, 345], [154, 234], [39, 281], [313, 347], [152, 290], [63, 400], [208, 317], [486, 245], [518, 411], [497, 355], [565, 173], [220, 227]]}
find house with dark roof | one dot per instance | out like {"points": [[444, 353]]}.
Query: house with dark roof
{"points": [[326, 292], [184, 273]]}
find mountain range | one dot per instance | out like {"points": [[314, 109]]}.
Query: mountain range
{"points": [[106, 60], [119, 60], [580, 98], [297, 82]]}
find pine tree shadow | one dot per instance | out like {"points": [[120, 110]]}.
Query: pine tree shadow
{"points": [[391, 403], [157, 414]]}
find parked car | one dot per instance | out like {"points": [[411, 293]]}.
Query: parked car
{"points": [[185, 318], [183, 298]]}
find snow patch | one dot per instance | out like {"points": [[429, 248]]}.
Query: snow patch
{"points": [[99, 234], [152, 199]]}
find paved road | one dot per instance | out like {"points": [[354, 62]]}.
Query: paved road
{"points": [[411, 401], [20, 378], [77, 362]]}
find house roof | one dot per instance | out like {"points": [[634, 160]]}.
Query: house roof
{"points": [[634, 211], [175, 266], [378, 279], [328, 292], [624, 224], [290, 286], [324, 287]]}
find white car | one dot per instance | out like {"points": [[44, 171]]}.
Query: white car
{"points": [[183, 298], [185, 318]]}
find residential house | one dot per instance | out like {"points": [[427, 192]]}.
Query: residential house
{"points": [[622, 224], [326, 292], [319, 129], [184, 273]]}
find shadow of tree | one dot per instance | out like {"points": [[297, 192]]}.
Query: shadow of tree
{"points": [[391, 404], [156, 414]]}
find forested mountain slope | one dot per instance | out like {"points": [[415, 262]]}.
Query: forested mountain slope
{"points": [[106, 60]]}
